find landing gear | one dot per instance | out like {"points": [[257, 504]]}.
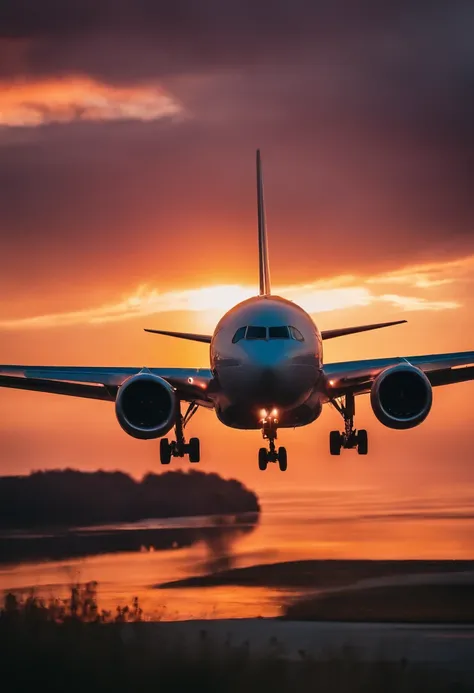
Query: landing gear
{"points": [[179, 447], [269, 432], [282, 459], [272, 455], [335, 443], [362, 442], [350, 438], [165, 451], [194, 450]]}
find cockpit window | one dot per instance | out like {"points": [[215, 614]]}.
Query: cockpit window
{"points": [[240, 334], [296, 334], [256, 332], [278, 332]]}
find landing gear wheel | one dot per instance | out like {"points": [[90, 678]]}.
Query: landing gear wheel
{"points": [[194, 450], [179, 447], [350, 438], [269, 432], [282, 459], [362, 442], [262, 459], [165, 451], [335, 443]]}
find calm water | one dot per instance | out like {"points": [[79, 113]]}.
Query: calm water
{"points": [[294, 524]]}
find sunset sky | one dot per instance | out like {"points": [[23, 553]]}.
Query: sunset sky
{"points": [[127, 200]]}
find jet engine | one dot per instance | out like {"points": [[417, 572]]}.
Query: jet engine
{"points": [[146, 406], [401, 396]]}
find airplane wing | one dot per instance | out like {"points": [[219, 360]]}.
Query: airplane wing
{"points": [[357, 376], [102, 382], [343, 331], [206, 338]]}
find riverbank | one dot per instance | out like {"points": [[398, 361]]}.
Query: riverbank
{"points": [[320, 574], [364, 591]]}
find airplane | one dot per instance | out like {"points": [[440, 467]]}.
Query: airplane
{"points": [[266, 372]]}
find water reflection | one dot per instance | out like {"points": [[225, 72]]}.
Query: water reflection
{"points": [[217, 533], [295, 524]]}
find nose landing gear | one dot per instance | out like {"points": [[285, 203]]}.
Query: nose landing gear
{"points": [[350, 438], [179, 447], [269, 432]]}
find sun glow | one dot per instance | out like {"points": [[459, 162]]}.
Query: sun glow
{"points": [[220, 298], [337, 293]]}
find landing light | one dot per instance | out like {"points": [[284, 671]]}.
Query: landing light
{"points": [[263, 413], [274, 412], [331, 382]]}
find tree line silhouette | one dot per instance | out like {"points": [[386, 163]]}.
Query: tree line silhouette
{"points": [[71, 497]]}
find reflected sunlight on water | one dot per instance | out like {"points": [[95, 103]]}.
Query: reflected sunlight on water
{"points": [[294, 525]]}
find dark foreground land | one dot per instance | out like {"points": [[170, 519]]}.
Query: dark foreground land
{"points": [[449, 603], [40, 654], [321, 573], [72, 645], [361, 591]]}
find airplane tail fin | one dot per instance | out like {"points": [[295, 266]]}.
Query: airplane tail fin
{"points": [[263, 262]]}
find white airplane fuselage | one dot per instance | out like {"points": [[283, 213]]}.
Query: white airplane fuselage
{"points": [[266, 372], [275, 366]]}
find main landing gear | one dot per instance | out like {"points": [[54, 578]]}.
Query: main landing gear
{"points": [[179, 447], [350, 438], [269, 432]]}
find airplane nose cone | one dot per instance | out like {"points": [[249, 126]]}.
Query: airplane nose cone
{"points": [[267, 377], [268, 359], [276, 386], [269, 384]]}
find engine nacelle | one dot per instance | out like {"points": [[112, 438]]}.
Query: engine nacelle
{"points": [[146, 406], [401, 396]]}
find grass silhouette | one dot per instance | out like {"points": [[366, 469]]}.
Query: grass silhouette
{"points": [[71, 645], [81, 606]]}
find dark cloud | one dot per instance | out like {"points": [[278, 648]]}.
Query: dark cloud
{"points": [[152, 37], [364, 111]]}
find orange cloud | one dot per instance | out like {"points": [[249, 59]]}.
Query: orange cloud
{"points": [[337, 293], [33, 103], [429, 275]]}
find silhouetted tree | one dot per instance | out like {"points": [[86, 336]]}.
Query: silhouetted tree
{"points": [[72, 498]]}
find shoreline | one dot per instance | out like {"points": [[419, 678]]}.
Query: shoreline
{"points": [[320, 573], [395, 592]]}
